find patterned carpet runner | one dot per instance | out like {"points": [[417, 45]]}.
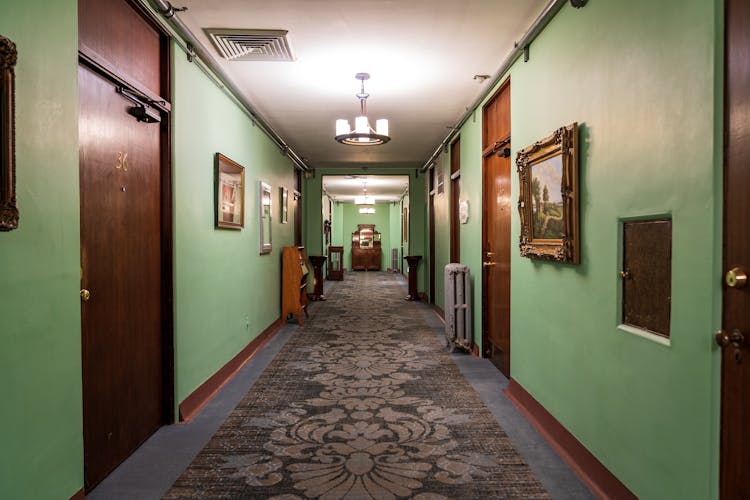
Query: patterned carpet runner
{"points": [[362, 402]]}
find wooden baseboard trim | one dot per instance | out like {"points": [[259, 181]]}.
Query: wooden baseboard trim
{"points": [[586, 466], [439, 311], [79, 495], [192, 404]]}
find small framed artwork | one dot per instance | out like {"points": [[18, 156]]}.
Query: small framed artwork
{"points": [[264, 215], [405, 224], [8, 205], [229, 187], [463, 211], [548, 200], [284, 205]]}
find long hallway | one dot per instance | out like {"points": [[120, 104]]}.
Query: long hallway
{"points": [[361, 401]]}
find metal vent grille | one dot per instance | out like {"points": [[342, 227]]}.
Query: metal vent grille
{"points": [[251, 45]]}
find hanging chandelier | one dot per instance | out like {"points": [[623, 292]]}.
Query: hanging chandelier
{"points": [[363, 134], [364, 199]]}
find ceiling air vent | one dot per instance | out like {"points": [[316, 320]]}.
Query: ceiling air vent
{"points": [[251, 45]]}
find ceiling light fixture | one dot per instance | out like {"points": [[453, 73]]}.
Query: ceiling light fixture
{"points": [[364, 199], [363, 134]]}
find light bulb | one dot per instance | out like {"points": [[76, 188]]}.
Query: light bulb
{"points": [[361, 126], [381, 126], [342, 127]]}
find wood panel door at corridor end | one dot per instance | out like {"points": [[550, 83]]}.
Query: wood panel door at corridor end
{"points": [[125, 233], [496, 246], [735, 334]]}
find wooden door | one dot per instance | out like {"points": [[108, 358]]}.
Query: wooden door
{"points": [[431, 191], [125, 237], [496, 245], [455, 242], [735, 373], [297, 207]]}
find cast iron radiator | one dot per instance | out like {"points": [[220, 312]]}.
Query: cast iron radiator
{"points": [[457, 307], [394, 260]]}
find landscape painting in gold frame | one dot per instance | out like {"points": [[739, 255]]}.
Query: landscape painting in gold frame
{"points": [[548, 199]]}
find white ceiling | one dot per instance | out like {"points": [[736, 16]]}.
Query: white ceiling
{"points": [[383, 188], [422, 56]]}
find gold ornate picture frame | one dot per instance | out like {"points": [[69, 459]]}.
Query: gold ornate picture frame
{"points": [[229, 188], [548, 199], [8, 205]]}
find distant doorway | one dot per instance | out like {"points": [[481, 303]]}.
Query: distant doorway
{"points": [[496, 208], [351, 201]]}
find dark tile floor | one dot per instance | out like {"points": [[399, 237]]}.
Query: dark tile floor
{"points": [[151, 470]]}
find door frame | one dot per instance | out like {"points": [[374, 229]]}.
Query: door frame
{"points": [[93, 62], [431, 191], [731, 404], [485, 313], [455, 179]]}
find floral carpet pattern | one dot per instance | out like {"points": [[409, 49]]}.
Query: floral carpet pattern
{"points": [[363, 402]]}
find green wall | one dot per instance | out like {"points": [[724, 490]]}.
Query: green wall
{"points": [[337, 227], [639, 79], [219, 307], [40, 360]]}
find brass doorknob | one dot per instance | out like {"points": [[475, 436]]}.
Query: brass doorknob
{"points": [[734, 339], [85, 295], [736, 278]]}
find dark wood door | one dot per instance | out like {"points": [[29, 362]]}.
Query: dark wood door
{"points": [[121, 269], [125, 231], [455, 242], [735, 376], [496, 246]]}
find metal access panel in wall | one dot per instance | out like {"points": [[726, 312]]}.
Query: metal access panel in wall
{"points": [[647, 274]]}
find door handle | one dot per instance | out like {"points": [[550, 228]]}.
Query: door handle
{"points": [[736, 278], [85, 295], [735, 339], [488, 264]]}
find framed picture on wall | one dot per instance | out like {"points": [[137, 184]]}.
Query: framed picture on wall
{"points": [[548, 200], [229, 187], [405, 224], [8, 205], [264, 216], [284, 205]]}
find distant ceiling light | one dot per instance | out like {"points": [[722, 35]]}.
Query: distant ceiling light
{"points": [[363, 134], [364, 199], [367, 210]]}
